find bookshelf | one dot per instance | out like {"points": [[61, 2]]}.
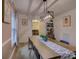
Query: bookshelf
{"points": [[50, 29]]}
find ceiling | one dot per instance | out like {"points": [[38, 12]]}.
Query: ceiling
{"points": [[36, 7]]}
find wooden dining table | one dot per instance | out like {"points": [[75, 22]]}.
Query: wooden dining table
{"points": [[41, 50]]}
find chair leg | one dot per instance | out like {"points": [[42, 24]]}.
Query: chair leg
{"points": [[30, 54], [41, 57], [33, 55]]}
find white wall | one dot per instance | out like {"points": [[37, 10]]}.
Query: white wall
{"points": [[25, 31], [69, 32]]}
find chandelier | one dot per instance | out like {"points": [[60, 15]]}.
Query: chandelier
{"points": [[45, 6], [51, 13]]}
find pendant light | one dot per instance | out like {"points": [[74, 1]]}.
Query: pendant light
{"points": [[46, 12]]}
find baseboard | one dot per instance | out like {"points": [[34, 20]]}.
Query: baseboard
{"points": [[5, 43]]}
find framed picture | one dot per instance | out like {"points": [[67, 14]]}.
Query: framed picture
{"points": [[24, 21], [67, 21]]}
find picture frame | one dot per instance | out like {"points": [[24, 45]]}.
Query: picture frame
{"points": [[24, 21], [67, 21]]}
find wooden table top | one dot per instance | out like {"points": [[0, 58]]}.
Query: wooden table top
{"points": [[72, 48], [43, 50]]}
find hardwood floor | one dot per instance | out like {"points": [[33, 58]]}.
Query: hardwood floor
{"points": [[22, 52]]}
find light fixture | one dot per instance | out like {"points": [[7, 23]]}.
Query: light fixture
{"points": [[51, 13], [45, 6], [47, 14]]}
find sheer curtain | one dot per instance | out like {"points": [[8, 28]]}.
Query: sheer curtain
{"points": [[13, 28]]}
